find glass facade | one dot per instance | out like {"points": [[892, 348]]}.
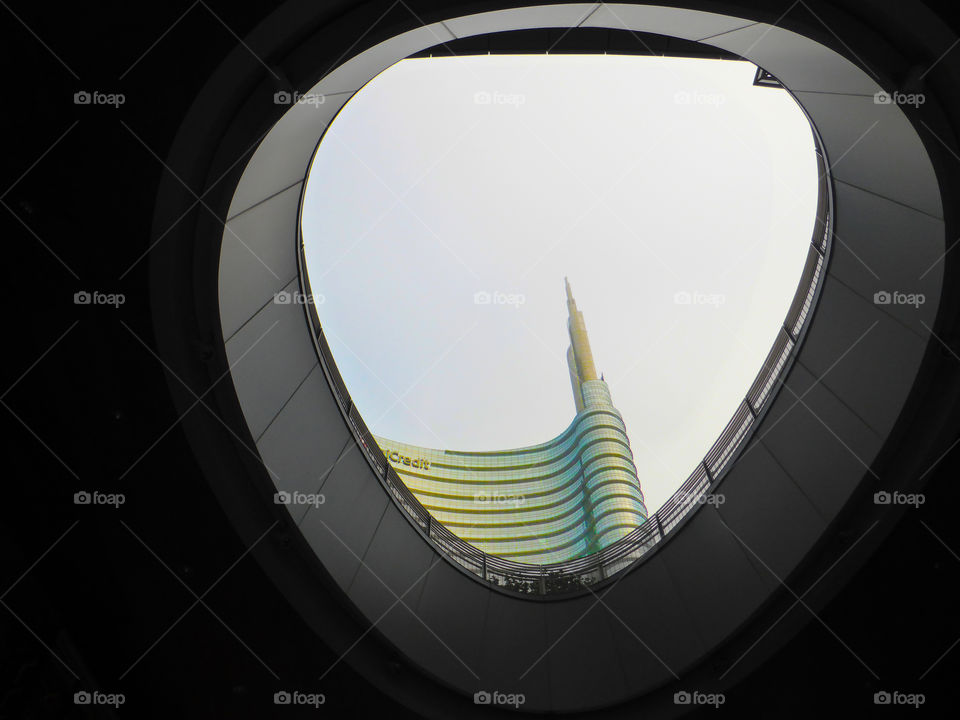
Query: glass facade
{"points": [[546, 503]]}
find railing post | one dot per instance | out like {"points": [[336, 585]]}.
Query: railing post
{"points": [[706, 469], [656, 516], [429, 525], [483, 567], [543, 583], [753, 413]]}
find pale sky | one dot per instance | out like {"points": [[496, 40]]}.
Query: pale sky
{"points": [[639, 178]]}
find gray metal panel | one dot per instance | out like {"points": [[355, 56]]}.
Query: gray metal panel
{"points": [[340, 530], [762, 502], [387, 589], [284, 154], [579, 629], [358, 71], [882, 247], [877, 372], [445, 588], [715, 576], [296, 448], [257, 258], [655, 636], [269, 357], [513, 646], [527, 18], [875, 147], [818, 441], [384, 569], [798, 62], [676, 22]]}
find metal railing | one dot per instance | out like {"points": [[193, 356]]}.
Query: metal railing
{"points": [[572, 575]]}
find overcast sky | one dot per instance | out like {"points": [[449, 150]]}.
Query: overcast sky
{"points": [[646, 181]]}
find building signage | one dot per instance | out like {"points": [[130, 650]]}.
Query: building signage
{"points": [[399, 459]]}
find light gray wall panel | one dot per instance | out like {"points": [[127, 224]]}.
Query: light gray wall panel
{"points": [[880, 356], [282, 157], [676, 22], [823, 446], [875, 148], [340, 530], [385, 569], [257, 258], [298, 447], [799, 63], [527, 18], [357, 71], [269, 357], [880, 246]]}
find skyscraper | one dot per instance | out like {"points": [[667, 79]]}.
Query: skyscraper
{"points": [[564, 498]]}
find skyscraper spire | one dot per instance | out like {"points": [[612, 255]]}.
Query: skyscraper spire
{"points": [[579, 355]]}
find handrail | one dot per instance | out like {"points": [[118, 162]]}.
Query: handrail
{"points": [[573, 575]]}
